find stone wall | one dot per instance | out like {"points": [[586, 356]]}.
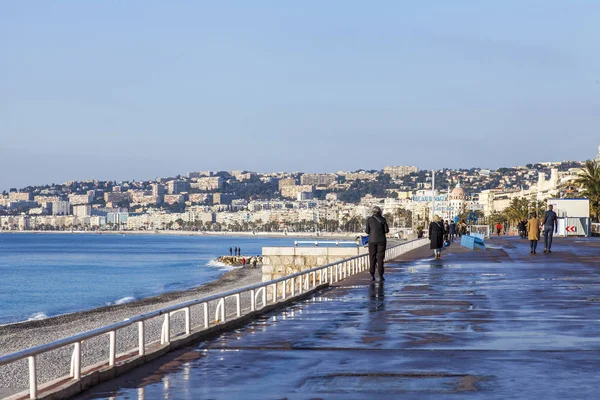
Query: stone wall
{"points": [[281, 261]]}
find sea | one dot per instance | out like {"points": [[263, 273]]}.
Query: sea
{"points": [[44, 274]]}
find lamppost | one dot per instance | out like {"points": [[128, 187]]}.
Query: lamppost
{"points": [[432, 194]]}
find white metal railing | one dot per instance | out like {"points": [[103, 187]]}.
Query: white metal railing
{"points": [[290, 287], [316, 243]]}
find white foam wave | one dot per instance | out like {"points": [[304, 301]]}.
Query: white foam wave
{"points": [[218, 264], [37, 316], [124, 300]]}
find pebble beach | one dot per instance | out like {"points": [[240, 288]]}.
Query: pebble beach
{"points": [[20, 336]]}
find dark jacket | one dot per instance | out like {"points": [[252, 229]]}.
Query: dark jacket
{"points": [[436, 235], [550, 220], [452, 229], [377, 227]]}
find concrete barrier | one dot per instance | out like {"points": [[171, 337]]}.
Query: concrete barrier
{"points": [[282, 261]]}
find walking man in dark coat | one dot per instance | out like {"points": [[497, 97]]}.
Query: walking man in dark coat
{"points": [[452, 230], [550, 228], [436, 236], [230, 251], [376, 228]]}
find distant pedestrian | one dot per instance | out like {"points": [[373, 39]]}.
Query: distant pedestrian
{"points": [[236, 251], [446, 231], [243, 262], [239, 251], [253, 262], [498, 228], [550, 228], [377, 227], [436, 236], [452, 230], [230, 251], [522, 227], [533, 227]]}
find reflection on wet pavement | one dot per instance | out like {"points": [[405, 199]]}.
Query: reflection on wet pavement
{"points": [[491, 324]]}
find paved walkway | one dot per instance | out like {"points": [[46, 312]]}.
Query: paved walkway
{"points": [[496, 324]]}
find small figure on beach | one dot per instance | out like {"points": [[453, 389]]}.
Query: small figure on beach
{"points": [[377, 227], [243, 262], [235, 249], [533, 227], [253, 262], [436, 236], [230, 251], [239, 251]]}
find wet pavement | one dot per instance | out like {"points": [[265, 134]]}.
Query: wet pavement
{"points": [[495, 324]]}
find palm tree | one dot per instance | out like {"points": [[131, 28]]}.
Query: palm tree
{"points": [[518, 210], [589, 180]]}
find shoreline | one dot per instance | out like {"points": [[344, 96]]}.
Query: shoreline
{"points": [[16, 336], [309, 235]]}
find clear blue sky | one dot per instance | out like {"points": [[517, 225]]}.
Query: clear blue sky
{"points": [[121, 90]]}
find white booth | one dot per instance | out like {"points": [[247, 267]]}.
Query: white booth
{"points": [[573, 216]]}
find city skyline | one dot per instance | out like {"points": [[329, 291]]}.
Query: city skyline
{"points": [[138, 90]]}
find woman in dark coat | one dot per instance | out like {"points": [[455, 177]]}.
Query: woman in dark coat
{"points": [[436, 236]]}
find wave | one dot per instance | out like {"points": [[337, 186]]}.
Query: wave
{"points": [[218, 264], [37, 316], [124, 300]]}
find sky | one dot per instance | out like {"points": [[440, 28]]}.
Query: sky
{"points": [[123, 90]]}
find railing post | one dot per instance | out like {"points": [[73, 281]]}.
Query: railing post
{"points": [[301, 283], [112, 349], [167, 329], [188, 327], [274, 287], [252, 301], [320, 277], [221, 308], [238, 305], [293, 287], [77, 361], [32, 378], [205, 312], [264, 296], [141, 339], [283, 291]]}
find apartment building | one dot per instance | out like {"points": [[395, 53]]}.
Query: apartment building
{"points": [[400, 170]]}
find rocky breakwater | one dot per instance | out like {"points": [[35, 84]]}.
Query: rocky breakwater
{"points": [[235, 261]]}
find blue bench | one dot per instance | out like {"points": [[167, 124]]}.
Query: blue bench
{"points": [[472, 242]]}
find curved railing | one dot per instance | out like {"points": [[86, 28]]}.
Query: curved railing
{"points": [[260, 296]]}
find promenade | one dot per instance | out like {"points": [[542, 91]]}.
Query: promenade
{"points": [[495, 324]]}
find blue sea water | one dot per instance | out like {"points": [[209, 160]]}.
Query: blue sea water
{"points": [[43, 275]]}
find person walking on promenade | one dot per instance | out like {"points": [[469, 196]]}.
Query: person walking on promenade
{"points": [[376, 228], [533, 227], [462, 228], [522, 229], [550, 228], [230, 251], [436, 236], [452, 230], [243, 262], [446, 231], [253, 262], [239, 251], [498, 228]]}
